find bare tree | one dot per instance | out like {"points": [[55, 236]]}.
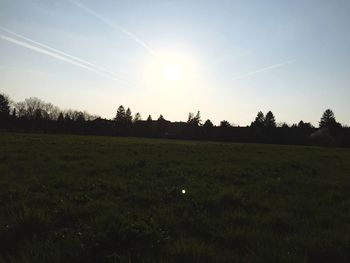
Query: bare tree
{"points": [[4, 106], [194, 120]]}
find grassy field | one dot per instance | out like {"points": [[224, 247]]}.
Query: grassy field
{"points": [[102, 199]]}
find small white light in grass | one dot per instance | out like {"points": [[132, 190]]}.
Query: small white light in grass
{"points": [[183, 191]]}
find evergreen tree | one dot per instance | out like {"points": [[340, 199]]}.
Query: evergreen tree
{"points": [[60, 117], [161, 118], [149, 119], [137, 117], [259, 120], [120, 117], [328, 119], [128, 116], [208, 124], [270, 121]]}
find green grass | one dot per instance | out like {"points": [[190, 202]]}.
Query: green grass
{"points": [[106, 199]]}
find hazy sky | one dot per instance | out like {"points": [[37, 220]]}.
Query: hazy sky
{"points": [[228, 59]]}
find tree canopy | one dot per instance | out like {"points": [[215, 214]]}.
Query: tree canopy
{"points": [[225, 124], [128, 116], [120, 116], [208, 124], [137, 117], [4, 106], [35, 114], [194, 120], [161, 118], [270, 121], [259, 120], [327, 119]]}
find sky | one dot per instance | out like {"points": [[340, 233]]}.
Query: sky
{"points": [[228, 59]]}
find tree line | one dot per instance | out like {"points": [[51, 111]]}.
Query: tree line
{"points": [[35, 115]]}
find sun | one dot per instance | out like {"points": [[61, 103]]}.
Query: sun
{"points": [[172, 71], [168, 69]]}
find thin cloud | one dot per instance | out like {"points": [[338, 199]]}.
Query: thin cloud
{"points": [[114, 26], [83, 61], [263, 70], [53, 55]]}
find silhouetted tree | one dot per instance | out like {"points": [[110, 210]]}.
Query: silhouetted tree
{"points": [[60, 117], [270, 121], [128, 116], [14, 113], [120, 117], [197, 118], [190, 117], [208, 124], [161, 118], [36, 109], [161, 123], [225, 124], [89, 117], [67, 117], [308, 125], [137, 117], [38, 114], [4, 107], [29, 108], [194, 120], [259, 120], [50, 111], [328, 119], [283, 125], [79, 116], [304, 125]]}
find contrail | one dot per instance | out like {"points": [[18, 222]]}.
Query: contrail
{"points": [[62, 53], [52, 54], [263, 69], [114, 26]]}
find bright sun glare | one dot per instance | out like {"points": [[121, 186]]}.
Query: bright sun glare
{"points": [[170, 69]]}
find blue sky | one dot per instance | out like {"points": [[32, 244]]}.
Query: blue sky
{"points": [[236, 57]]}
